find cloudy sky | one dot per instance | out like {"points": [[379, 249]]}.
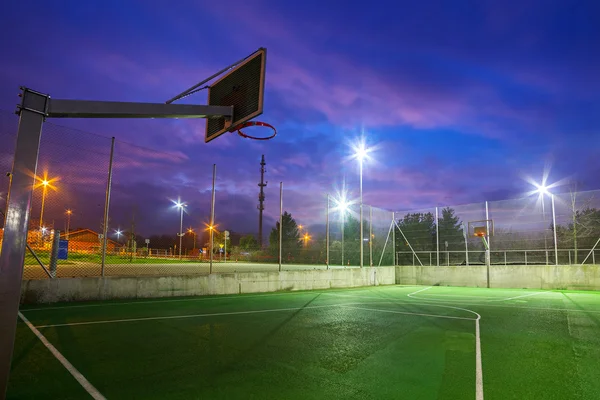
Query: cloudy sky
{"points": [[461, 99]]}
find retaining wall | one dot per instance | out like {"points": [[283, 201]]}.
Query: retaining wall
{"points": [[88, 289], [573, 277]]}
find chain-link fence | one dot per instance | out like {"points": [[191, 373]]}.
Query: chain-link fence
{"points": [[102, 207], [520, 232]]}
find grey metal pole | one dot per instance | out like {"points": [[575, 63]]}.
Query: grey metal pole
{"points": [[343, 227], [280, 223], [554, 229], [107, 204], [54, 253], [180, 230], [370, 236], [327, 234], [212, 217], [488, 252], [362, 237], [466, 235], [394, 236], [437, 237], [18, 204]]}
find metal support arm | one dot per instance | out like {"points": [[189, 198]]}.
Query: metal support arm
{"points": [[116, 109]]}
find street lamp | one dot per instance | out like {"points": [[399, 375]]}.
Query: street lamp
{"points": [[180, 205], [190, 230], [361, 153], [44, 184], [69, 213], [342, 205], [542, 190]]}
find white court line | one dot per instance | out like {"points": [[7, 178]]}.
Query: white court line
{"points": [[518, 297], [478, 364], [113, 321], [72, 370], [458, 295]]}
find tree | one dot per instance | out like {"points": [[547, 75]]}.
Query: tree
{"points": [[218, 240], [248, 243], [291, 242], [583, 232], [419, 232]]}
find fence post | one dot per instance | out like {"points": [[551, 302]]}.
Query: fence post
{"points": [[554, 229], [54, 253], [525, 257], [394, 237], [327, 234], [488, 251], [370, 236], [280, 223], [212, 219], [107, 204], [437, 238]]}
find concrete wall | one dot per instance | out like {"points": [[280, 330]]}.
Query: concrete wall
{"points": [[575, 277], [87, 289]]}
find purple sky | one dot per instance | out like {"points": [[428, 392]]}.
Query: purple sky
{"points": [[463, 99]]}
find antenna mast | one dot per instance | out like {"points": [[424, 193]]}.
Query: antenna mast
{"points": [[261, 201]]}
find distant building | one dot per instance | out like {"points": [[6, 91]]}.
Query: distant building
{"points": [[88, 241]]}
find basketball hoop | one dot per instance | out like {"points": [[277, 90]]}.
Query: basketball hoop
{"points": [[254, 123]]}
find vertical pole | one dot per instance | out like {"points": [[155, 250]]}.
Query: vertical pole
{"points": [[554, 229], [370, 236], [44, 189], [362, 237], [18, 205], [466, 235], [68, 224], [280, 223], [107, 204], [488, 249], [394, 236], [212, 218], [437, 237], [327, 234], [343, 227], [54, 253], [180, 230]]}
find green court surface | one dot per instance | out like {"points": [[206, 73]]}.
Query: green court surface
{"points": [[388, 342]]}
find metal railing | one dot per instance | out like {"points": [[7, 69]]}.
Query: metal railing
{"points": [[501, 257]]}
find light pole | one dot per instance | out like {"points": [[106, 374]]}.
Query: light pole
{"points": [[190, 230], [45, 184], [361, 153], [341, 205], [543, 190], [69, 212], [180, 205]]}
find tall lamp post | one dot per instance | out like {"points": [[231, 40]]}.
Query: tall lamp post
{"points": [[69, 213], [190, 230], [180, 205], [44, 184], [361, 153], [342, 205], [543, 191]]}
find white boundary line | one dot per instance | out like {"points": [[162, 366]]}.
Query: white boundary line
{"points": [[72, 370], [478, 363], [518, 297], [113, 321]]}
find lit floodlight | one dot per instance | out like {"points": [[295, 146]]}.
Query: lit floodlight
{"points": [[541, 189], [360, 151], [118, 232]]}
